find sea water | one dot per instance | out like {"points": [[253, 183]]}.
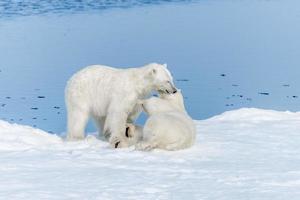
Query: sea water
{"points": [[223, 54]]}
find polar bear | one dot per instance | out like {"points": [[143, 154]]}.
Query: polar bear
{"points": [[169, 126], [110, 95]]}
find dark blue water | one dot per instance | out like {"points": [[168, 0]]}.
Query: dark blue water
{"points": [[224, 54], [11, 9]]}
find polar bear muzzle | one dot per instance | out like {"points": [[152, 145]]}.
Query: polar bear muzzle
{"points": [[168, 90]]}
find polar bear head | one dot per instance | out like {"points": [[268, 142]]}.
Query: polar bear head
{"points": [[164, 103], [160, 78]]}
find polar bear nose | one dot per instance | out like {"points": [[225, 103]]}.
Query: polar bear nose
{"points": [[174, 91]]}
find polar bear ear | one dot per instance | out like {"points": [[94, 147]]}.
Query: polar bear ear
{"points": [[152, 72], [165, 65]]}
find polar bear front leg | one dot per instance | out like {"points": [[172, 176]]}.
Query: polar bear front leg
{"points": [[135, 113], [115, 126]]}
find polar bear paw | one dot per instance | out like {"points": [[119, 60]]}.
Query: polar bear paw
{"points": [[117, 142], [144, 146], [130, 130], [74, 138]]}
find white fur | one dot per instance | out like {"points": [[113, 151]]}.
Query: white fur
{"points": [[110, 96], [134, 134], [169, 126]]}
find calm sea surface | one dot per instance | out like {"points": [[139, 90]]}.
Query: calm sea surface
{"points": [[224, 54]]}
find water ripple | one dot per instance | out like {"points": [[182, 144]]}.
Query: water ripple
{"points": [[12, 8]]}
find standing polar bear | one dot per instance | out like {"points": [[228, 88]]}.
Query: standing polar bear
{"points": [[168, 127], [110, 95]]}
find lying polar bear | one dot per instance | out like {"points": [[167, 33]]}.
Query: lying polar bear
{"points": [[168, 127], [110, 95]]}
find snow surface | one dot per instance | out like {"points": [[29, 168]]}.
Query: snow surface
{"points": [[241, 154]]}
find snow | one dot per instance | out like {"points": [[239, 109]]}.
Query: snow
{"points": [[241, 154]]}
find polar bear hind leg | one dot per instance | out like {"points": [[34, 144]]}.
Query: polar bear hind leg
{"points": [[77, 120]]}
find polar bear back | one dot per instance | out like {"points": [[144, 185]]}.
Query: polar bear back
{"points": [[89, 85], [170, 131]]}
